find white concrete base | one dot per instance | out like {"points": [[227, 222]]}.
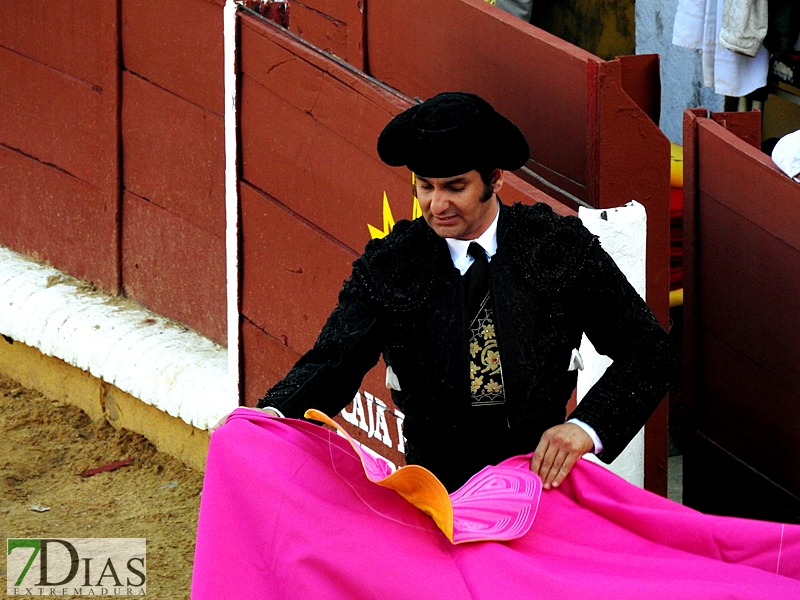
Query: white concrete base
{"points": [[153, 359]]}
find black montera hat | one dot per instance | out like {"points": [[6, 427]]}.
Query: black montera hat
{"points": [[450, 134]]}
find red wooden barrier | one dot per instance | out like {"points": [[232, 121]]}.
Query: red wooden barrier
{"points": [[742, 302], [311, 179], [67, 127], [334, 26], [59, 147], [177, 45], [173, 142], [174, 154], [174, 266]]}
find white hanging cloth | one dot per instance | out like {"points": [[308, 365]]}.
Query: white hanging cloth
{"points": [[697, 25], [744, 25]]}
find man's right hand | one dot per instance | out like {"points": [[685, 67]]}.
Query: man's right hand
{"points": [[558, 450]]}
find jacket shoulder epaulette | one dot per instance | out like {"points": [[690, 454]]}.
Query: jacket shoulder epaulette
{"points": [[549, 250], [396, 272]]}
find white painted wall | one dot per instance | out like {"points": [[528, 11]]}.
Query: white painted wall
{"points": [[681, 70]]}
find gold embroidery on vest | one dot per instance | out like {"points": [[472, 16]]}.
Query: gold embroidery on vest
{"points": [[485, 372]]}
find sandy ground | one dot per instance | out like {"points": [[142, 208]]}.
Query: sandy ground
{"points": [[45, 444]]}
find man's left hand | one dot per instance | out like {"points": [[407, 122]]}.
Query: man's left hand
{"points": [[558, 450]]}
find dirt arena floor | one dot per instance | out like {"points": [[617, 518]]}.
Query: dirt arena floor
{"points": [[43, 447]]}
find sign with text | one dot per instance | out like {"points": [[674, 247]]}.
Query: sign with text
{"points": [[76, 566]]}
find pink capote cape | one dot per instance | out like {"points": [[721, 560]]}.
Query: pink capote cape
{"points": [[288, 512]]}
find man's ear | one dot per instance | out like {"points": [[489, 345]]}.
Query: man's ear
{"points": [[498, 177]]}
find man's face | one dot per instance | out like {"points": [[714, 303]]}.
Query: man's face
{"points": [[452, 205]]}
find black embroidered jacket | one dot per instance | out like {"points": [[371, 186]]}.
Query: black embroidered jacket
{"points": [[550, 282]]}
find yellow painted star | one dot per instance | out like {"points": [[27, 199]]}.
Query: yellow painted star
{"points": [[388, 218], [388, 221]]}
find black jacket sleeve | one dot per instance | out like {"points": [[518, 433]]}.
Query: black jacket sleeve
{"points": [[327, 377], [621, 325]]}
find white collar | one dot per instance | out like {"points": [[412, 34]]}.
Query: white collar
{"points": [[488, 241]]}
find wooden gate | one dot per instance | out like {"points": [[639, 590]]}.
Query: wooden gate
{"points": [[742, 311]]}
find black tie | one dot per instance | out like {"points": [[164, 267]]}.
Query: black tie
{"points": [[478, 278]]}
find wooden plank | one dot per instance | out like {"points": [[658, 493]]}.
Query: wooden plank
{"points": [[323, 30], [174, 267], [336, 184], [279, 69], [641, 81], [78, 38], [691, 260], [622, 175], [174, 154], [338, 9], [59, 219], [693, 472], [742, 249], [745, 125], [749, 182], [478, 48], [734, 489], [751, 289], [519, 190], [619, 174], [750, 362], [59, 119], [355, 79], [291, 271], [749, 410], [317, 88], [265, 361], [334, 26], [298, 108], [305, 79], [177, 45], [363, 120], [59, 123]]}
